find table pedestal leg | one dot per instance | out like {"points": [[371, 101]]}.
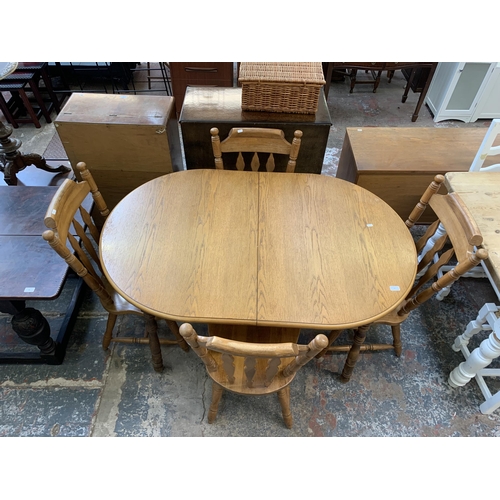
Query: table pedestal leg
{"points": [[13, 161], [352, 357], [254, 333], [30, 325]]}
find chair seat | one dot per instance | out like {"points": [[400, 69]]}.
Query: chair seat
{"points": [[21, 76]]}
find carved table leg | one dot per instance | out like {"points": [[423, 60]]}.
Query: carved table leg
{"points": [[12, 161], [154, 342], [30, 325], [352, 357], [13, 166]]}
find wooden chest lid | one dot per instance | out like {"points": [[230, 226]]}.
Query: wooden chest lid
{"points": [[116, 109]]}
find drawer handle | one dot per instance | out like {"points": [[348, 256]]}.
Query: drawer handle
{"points": [[204, 70]]}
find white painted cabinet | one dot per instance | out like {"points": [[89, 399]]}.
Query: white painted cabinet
{"points": [[465, 91]]}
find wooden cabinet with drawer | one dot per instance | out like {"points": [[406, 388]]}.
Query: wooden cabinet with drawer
{"points": [[184, 74], [207, 107], [125, 140]]}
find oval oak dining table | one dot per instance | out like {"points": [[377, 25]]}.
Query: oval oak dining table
{"points": [[258, 255]]}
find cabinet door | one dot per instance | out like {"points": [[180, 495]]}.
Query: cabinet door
{"points": [[488, 105], [460, 87], [471, 79]]}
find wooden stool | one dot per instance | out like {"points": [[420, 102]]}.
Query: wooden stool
{"points": [[32, 79], [20, 102], [41, 75]]}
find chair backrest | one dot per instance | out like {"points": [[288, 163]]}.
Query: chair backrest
{"points": [[61, 216], [487, 149], [456, 228], [256, 140], [248, 368]]}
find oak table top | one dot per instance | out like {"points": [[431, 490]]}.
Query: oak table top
{"points": [[258, 248], [480, 191]]}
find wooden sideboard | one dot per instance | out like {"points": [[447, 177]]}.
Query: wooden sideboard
{"points": [[398, 163], [207, 107]]}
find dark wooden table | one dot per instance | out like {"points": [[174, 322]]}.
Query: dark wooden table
{"points": [[207, 107], [31, 270], [412, 67]]}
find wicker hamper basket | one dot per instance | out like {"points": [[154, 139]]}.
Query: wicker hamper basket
{"points": [[281, 87]]}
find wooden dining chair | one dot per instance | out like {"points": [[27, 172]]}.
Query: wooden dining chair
{"points": [[84, 260], [251, 368], [256, 140], [461, 236]]}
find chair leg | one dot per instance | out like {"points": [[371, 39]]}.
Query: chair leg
{"points": [[284, 399], [29, 108], [396, 335], [334, 335], [174, 328], [48, 85], [108, 334], [154, 342], [5, 110], [352, 77], [217, 391], [352, 357], [39, 100]]}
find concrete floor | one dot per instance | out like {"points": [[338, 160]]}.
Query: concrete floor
{"points": [[117, 393]]}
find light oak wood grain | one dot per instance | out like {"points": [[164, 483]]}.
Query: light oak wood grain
{"points": [[191, 248], [460, 234], [330, 253], [480, 192], [398, 163], [268, 249]]}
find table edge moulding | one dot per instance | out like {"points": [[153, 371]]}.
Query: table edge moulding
{"points": [[211, 223]]}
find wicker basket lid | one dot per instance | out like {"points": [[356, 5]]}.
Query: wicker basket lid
{"points": [[289, 72]]}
